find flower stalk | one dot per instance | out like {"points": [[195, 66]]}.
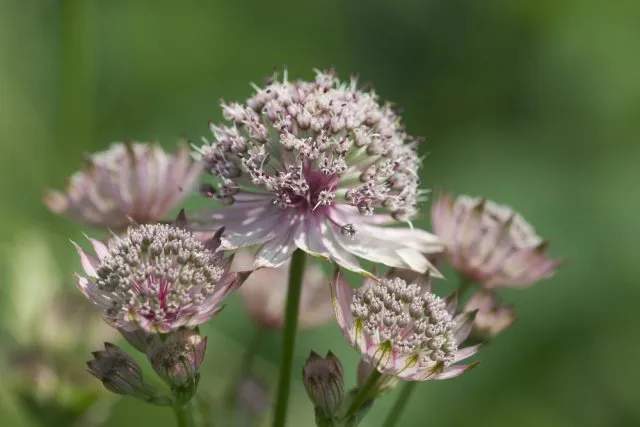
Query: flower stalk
{"points": [[290, 328], [364, 393], [401, 402], [185, 414]]}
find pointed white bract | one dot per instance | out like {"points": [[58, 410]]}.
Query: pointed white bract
{"points": [[402, 329], [264, 293], [490, 244], [319, 166], [157, 278], [130, 183]]}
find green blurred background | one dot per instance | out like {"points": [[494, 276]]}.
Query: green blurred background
{"points": [[531, 103]]}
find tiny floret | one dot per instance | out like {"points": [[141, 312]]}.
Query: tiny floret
{"points": [[321, 166], [401, 328], [157, 277]]}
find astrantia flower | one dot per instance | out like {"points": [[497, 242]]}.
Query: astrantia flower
{"points": [[129, 183], [490, 244], [319, 166], [264, 293], [491, 318], [402, 328], [158, 278]]}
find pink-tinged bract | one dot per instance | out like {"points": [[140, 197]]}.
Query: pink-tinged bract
{"points": [[320, 166], [130, 183], [490, 244], [264, 293], [158, 278], [402, 329], [491, 318]]}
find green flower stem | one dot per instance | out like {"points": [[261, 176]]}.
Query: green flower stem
{"points": [[185, 414], [399, 405], [290, 328], [364, 393]]}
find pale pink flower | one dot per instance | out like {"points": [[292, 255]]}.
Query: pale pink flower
{"points": [[158, 278], [491, 318], [490, 244], [129, 183], [402, 329], [319, 166], [264, 293]]}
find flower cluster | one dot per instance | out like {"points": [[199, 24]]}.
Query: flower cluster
{"points": [[319, 166]]}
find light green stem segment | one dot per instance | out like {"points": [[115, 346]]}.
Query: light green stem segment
{"points": [[399, 405], [185, 414], [290, 328], [364, 393]]}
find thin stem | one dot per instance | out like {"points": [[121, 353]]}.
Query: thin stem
{"points": [[399, 405], [364, 392], [184, 414], [290, 328]]}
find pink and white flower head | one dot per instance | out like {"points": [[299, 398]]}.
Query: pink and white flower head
{"points": [[319, 166], [157, 278], [490, 244], [264, 293], [402, 329], [129, 183], [492, 318]]}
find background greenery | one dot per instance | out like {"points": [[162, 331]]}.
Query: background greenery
{"points": [[531, 103]]}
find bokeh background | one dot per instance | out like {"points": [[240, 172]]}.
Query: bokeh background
{"points": [[531, 103]]}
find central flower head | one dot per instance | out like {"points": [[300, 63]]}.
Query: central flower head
{"points": [[319, 166], [158, 278]]}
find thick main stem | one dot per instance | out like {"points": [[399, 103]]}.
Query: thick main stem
{"points": [[296, 271], [184, 414], [399, 405]]}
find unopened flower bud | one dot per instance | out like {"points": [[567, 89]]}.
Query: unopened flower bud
{"points": [[491, 318], [385, 383], [118, 372], [176, 358], [323, 379]]}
